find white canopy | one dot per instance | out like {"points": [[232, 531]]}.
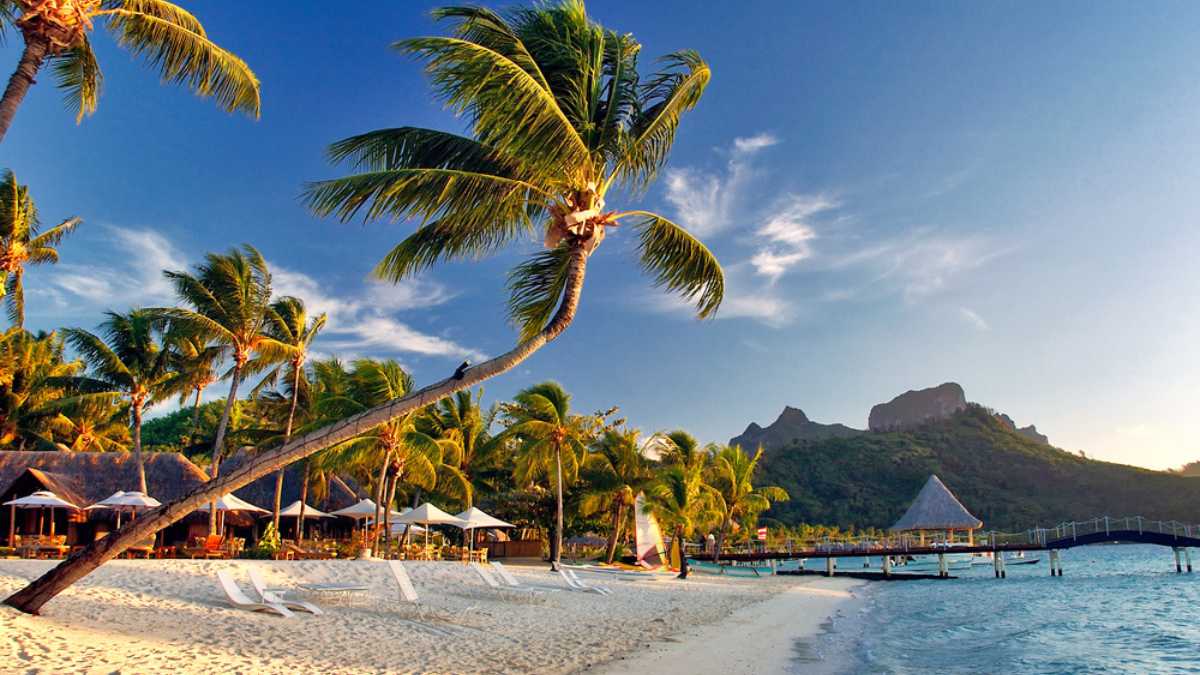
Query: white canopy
{"points": [[293, 511], [41, 499], [474, 518], [365, 508], [127, 500], [428, 514], [231, 502]]}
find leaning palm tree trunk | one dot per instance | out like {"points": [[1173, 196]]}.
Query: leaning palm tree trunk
{"points": [[22, 79], [31, 598], [683, 565], [610, 551], [219, 444], [721, 540]]}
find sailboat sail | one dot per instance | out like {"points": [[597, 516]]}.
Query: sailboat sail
{"points": [[650, 549]]}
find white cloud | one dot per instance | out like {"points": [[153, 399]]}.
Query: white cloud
{"points": [[788, 234], [130, 275], [134, 280], [973, 318], [752, 144], [703, 202], [363, 325]]}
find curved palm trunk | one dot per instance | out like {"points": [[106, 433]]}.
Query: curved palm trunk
{"points": [[387, 511], [287, 436], [31, 598], [195, 416], [683, 566], [380, 491], [219, 444], [21, 80], [610, 552], [556, 551], [137, 447], [721, 539], [303, 502]]}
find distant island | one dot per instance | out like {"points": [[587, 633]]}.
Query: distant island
{"points": [[1010, 476]]}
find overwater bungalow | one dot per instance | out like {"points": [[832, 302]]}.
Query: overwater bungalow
{"points": [[936, 509]]}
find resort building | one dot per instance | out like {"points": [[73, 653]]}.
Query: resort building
{"points": [[936, 509]]}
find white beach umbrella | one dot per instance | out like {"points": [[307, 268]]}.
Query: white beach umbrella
{"points": [[121, 501], [476, 519], [232, 502], [428, 514], [365, 508], [42, 499], [293, 511]]}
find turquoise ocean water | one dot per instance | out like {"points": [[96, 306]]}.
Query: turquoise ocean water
{"points": [[1116, 609]]}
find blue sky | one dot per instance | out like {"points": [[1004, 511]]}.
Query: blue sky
{"points": [[901, 194]]}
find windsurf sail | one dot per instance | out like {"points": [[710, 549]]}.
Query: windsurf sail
{"points": [[650, 549]]}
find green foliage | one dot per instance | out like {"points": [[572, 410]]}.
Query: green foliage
{"points": [[558, 114], [1008, 481], [268, 544]]}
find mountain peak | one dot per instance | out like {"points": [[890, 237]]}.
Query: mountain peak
{"points": [[791, 426], [915, 407]]}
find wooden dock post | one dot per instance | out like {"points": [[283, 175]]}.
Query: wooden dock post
{"points": [[1187, 554], [887, 566], [1178, 563], [829, 567], [997, 558], [1055, 562], [1003, 566], [943, 570]]}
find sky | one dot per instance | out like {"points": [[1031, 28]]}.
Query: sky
{"points": [[901, 194]]}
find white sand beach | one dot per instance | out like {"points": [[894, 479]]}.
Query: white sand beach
{"points": [[134, 616]]}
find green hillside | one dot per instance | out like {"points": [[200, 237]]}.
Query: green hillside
{"points": [[1004, 478]]}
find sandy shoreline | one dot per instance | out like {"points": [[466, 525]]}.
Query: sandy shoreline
{"points": [[134, 616]]}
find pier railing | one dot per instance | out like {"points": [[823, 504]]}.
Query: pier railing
{"points": [[1035, 537]]}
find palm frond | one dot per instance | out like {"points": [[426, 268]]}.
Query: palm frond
{"points": [[679, 262], [79, 77], [185, 56], [666, 97], [535, 287], [510, 110], [54, 235]]}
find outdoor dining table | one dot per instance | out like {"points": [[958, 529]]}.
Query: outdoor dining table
{"points": [[340, 591]]}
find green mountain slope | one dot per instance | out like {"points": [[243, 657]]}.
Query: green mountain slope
{"points": [[1004, 478]]}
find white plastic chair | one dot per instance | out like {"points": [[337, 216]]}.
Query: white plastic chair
{"points": [[275, 595], [574, 582], [238, 599], [495, 585], [508, 578]]}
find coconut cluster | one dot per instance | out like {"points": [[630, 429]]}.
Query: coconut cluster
{"points": [[579, 219], [63, 23]]}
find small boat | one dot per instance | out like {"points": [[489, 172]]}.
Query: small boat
{"points": [[730, 570]]}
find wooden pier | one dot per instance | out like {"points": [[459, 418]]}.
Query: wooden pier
{"points": [[1179, 537]]}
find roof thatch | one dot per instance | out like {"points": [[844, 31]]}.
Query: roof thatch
{"points": [[343, 491], [936, 508], [85, 478]]}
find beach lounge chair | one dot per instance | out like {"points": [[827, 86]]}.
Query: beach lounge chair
{"points": [[512, 582], [408, 593], [575, 584], [491, 582], [275, 595], [238, 599]]}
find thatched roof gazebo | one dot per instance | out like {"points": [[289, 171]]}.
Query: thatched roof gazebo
{"points": [[937, 509]]}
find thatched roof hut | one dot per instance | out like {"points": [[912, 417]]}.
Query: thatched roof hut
{"points": [[342, 491], [85, 478], [936, 508]]}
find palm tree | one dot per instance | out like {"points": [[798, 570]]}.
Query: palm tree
{"points": [[615, 472], [682, 500], [559, 117], [165, 35], [90, 423], [461, 420], [129, 360], [403, 453], [20, 242], [288, 323], [229, 295], [552, 444], [33, 373], [732, 475], [193, 361]]}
